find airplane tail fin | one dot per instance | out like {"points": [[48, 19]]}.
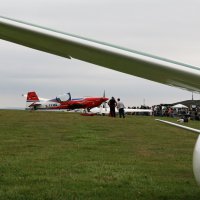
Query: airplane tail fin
{"points": [[31, 97], [104, 96]]}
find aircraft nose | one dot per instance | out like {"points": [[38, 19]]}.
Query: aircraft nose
{"points": [[104, 99]]}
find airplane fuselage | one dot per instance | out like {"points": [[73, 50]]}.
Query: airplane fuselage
{"points": [[85, 103]]}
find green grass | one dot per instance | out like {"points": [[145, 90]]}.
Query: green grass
{"points": [[57, 155]]}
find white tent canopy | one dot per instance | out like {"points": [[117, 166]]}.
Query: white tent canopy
{"points": [[179, 106]]}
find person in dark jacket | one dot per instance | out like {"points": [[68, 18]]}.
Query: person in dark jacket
{"points": [[112, 104]]}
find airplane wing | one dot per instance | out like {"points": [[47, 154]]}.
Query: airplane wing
{"points": [[130, 110], [124, 60], [180, 126], [35, 104]]}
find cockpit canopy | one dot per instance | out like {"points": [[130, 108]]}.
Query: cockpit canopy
{"points": [[64, 97]]}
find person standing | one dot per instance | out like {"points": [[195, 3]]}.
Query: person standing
{"points": [[112, 104], [120, 107]]}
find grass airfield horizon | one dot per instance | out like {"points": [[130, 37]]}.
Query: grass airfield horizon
{"points": [[59, 155]]}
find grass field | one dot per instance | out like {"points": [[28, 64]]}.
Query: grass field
{"points": [[57, 155]]}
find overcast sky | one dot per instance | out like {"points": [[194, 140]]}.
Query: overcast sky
{"points": [[169, 29]]}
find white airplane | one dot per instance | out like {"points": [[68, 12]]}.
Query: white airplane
{"points": [[105, 110], [128, 61]]}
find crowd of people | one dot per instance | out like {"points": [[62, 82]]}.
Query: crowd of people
{"points": [[186, 113], [166, 110]]}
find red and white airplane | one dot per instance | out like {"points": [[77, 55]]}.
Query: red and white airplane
{"points": [[62, 102], [132, 62]]}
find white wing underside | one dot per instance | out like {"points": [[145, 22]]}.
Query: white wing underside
{"points": [[124, 60], [180, 126]]}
